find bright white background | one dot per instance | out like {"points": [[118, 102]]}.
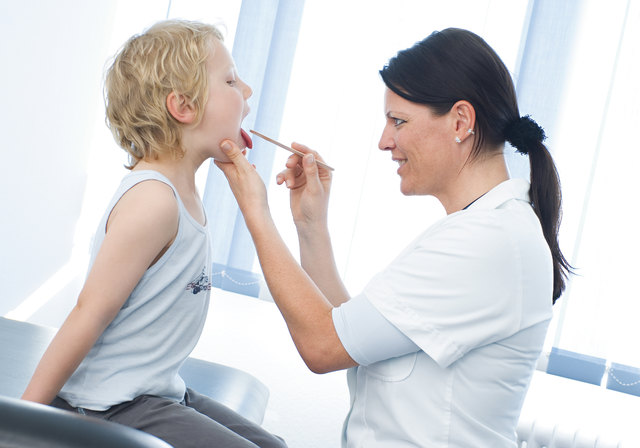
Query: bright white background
{"points": [[60, 166]]}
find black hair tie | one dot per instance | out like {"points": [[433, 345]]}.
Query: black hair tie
{"points": [[523, 133]]}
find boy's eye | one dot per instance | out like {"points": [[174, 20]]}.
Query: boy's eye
{"points": [[231, 82]]}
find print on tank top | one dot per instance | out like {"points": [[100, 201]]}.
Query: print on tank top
{"points": [[201, 283]]}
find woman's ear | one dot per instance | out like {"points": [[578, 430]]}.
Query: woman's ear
{"points": [[465, 120], [181, 108]]}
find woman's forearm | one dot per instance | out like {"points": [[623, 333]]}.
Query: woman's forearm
{"points": [[303, 305], [318, 260], [305, 308]]}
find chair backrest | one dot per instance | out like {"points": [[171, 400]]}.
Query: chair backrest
{"points": [[25, 424], [22, 345], [236, 389]]}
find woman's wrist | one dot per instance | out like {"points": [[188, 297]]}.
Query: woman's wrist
{"points": [[313, 237], [311, 230]]}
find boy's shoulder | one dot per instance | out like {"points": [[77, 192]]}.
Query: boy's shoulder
{"points": [[148, 203]]}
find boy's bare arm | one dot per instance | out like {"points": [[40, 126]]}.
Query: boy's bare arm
{"points": [[141, 226]]}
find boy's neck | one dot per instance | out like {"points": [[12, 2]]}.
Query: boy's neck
{"points": [[181, 173], [178, 170]]}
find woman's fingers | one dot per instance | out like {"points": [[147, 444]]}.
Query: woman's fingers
{"points": [[307, 150], [302, 148], [290, 174], [294, 174], [322, 173], [247, 186], [311, 172]]}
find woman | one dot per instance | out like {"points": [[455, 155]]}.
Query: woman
{"points": [[445, 340]]}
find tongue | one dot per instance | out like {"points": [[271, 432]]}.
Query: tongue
{"points": [[247, 140]]}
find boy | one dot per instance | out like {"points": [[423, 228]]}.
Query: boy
{"points": [[172, 98]]}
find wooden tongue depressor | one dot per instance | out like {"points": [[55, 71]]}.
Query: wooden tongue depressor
{"points": [[277, 143]]}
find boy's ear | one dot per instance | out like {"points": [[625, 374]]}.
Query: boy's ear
{"points": [[180, 108]]}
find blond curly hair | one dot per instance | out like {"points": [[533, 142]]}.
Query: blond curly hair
{"points": [[168, 57]]}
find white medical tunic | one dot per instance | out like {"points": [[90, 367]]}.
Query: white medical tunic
{"points": [[474, 293]]}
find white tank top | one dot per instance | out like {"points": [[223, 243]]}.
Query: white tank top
{"points": [[158, 326]]}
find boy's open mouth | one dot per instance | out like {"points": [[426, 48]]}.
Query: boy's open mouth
{"points": [[247, 140]]}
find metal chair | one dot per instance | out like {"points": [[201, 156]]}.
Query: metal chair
{"points": [[24, 424]]}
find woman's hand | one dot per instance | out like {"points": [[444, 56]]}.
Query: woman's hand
{"points": [[309, 185], [245, 182]]}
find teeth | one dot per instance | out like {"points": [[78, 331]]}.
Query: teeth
{"points": [[401, 162]]}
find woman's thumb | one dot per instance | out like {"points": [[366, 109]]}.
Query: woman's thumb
{"points": [[310, 168], [230, 149], [232, 153]]}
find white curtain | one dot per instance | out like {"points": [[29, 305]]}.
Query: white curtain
{"points": [[263, 51], [598, 155]]}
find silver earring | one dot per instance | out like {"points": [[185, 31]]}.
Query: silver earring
{"points": [[471, 131], [458, 139]]}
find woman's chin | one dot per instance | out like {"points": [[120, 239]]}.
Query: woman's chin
{"points": [[405, 188]]}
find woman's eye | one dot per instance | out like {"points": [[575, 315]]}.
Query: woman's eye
{"points": [[231, 82], [398, 121]]}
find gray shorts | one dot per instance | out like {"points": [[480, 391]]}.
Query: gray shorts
{"points": [[195, 422]]}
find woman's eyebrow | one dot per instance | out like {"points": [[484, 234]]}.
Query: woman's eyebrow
{"points": [[393, 114]]}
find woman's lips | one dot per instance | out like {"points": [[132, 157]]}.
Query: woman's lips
{"points": [[247, 140]]}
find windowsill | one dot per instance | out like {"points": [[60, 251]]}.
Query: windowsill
{"points": [[575, 405]]}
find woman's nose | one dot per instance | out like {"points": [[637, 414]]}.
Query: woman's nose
{"points": [[386, 142]]}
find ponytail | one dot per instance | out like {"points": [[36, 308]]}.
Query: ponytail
{"points": [[527, 137]]}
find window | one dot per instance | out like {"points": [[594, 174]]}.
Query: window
{"points": [[575, 73], [334, 99], [335, 105], [597, 157]]}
